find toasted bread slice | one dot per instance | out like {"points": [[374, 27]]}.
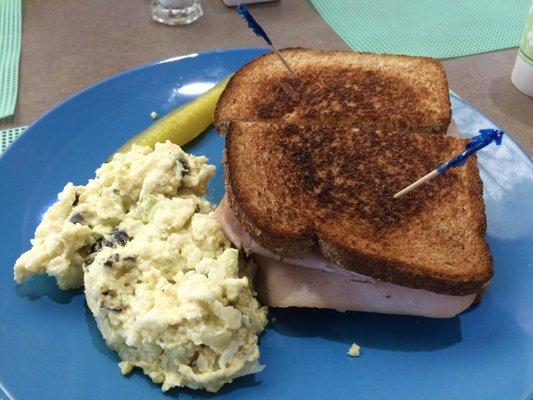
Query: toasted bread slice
{"points": [[297, 187], [339, 88]]}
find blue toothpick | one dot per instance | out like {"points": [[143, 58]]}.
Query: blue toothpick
{"points": [[486, 137], [259, 31], [252, 23]]}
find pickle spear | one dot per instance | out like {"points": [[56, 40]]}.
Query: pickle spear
{"points": [[183, 124]]}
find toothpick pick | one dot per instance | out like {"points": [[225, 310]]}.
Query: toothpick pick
{"points": [[416, 184], [259, 31], [284, 61], [485, 137]]}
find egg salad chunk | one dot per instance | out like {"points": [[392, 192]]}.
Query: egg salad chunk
{"points": [[168, 292]]}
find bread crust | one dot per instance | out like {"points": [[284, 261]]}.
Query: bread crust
{"points": [[282, 244]]}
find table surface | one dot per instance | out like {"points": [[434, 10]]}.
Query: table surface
{"points": [[67, 46]]}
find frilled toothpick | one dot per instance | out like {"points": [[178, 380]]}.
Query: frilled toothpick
{"points": [[486, 137], [259, 31]]}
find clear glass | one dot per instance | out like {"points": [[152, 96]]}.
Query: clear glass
{"points": [[176, 12]]}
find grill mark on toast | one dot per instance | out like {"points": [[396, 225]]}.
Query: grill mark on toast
{"points": [[370, 194]]}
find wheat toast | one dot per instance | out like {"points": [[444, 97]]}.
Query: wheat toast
{"points": [[339, 88], [297, 187]]}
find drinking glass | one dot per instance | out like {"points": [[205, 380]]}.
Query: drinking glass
{"points": [[176, 12]]}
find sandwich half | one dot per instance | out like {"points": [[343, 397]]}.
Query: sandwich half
{"points": [[339, 88], [315, 204]]}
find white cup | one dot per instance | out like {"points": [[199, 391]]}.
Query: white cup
{"points": [[522, 76]]}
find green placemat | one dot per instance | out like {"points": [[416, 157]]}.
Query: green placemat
{"points": [[10, 22], [8, 136], [434, 28]]}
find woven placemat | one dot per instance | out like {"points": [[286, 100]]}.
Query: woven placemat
{"points": [[434, 28], [10, 23], [8, 136]]}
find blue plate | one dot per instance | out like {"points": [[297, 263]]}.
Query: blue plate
{"points": [[50, 347]]}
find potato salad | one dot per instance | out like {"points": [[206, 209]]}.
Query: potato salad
{"points": [[168, 292]]}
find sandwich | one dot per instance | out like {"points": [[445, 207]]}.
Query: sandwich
{"points": [[309, 196]]}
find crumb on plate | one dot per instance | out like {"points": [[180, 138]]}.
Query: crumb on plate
{"points": [[354, 350]]}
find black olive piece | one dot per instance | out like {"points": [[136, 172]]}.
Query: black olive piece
{"points": [[97, 245], [185, 167], [114, 309], [106, 303], [77, 219], [88, 261], [84, 251], [116, 257], [76, 200], [121, 237], [108, 243], [109, 261]]}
